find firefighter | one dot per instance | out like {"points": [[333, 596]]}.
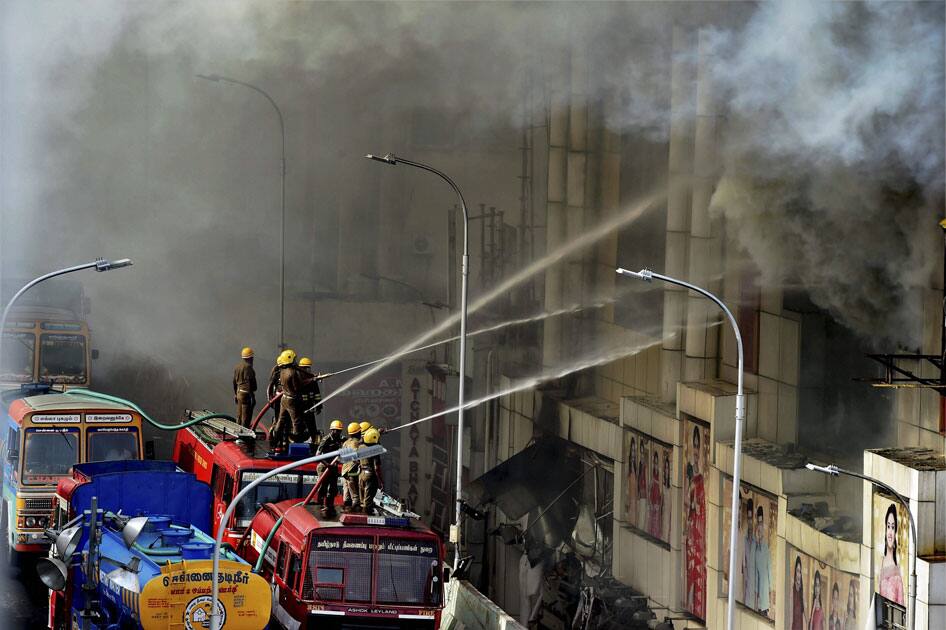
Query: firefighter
{"points": [[329, 488], [273, 388], [287, 416], [310, 397], [369, 478], [244, 387], [351, 469], [294, 383]]}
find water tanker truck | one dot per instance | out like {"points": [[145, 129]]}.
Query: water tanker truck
{"points": [[131, 550]]}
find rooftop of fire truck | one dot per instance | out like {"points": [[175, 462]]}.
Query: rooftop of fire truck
{"points": [[238, 446], [302, 520]]}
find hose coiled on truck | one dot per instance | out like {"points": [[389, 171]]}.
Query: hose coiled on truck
{"points": [[158, 425]]}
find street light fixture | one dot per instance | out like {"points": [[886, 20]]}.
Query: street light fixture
{"points": [[99, 264], [392, 159], [911, 587], [648, 276], [343, 454], [216, 78]]}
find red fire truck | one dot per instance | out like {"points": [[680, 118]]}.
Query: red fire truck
{"points": [[228, 457], [349, 572]]}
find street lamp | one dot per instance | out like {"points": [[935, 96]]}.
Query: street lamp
{"points": [[282, 231], [392, 159], [911, 587], [648, 275], [344, 454], [100, 264]]}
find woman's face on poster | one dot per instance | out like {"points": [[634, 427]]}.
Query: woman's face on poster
{"points": [[798, 574], [891, 537], [695, 451]]}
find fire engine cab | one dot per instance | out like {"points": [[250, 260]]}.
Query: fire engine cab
{"points": [[349, 572], [228, 456]]}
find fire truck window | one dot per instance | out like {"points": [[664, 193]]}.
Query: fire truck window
{"points": [[227, 489], [215, 480], [273, 490], [281, 559], [352, 560], [404, 570], [295, 565]]}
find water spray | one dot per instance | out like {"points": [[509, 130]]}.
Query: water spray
{"points": [[587, 239], [529, 383]]}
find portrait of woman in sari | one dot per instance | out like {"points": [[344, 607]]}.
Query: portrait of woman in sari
{"points": [[798, 596], [696, 532]]}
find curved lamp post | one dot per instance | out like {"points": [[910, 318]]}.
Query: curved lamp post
{"points": [[911, 587], [648, 275], [392, 159], [100, 264], [282, 231]]}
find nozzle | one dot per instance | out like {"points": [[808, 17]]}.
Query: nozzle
{"points": [[389, 158], [107, 265], [644, 274], [828, 470], [351, 454]]}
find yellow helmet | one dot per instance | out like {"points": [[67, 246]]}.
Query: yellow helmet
{"points": [[286, 357], [336, 424], [354, 428], [305, 362], [372, 436], [365, 425], [246, 353]]}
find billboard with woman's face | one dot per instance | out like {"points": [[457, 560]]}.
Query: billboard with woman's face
{"points": [[755, 552], [648, 485], [818, 596], [889, 525], [696, 452]]}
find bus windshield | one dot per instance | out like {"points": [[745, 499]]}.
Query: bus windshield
{"points": [[18, 348], [62, 358], [112, 445], [273, 490], [49, 454]]}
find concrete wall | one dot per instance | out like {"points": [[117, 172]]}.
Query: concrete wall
{"points": [[468, 609]]}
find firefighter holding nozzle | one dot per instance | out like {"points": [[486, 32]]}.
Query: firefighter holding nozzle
{"points": [[369, 479], [293, 382], [329, 488]]}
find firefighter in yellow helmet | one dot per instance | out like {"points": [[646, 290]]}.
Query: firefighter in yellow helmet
{"points": [[274, 388], [351, 469], [329, 488], [311, 395], [244, 387], [369, 478], [365, 425]]}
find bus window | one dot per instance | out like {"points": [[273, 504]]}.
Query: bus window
{"points": [[108, 446], [62, 358], [346, 567], [49, 454], [17, 366]]}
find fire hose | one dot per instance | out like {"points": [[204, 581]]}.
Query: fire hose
{"points": [[158, 425], [259, 416]]}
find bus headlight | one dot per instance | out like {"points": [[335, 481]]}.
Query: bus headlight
{"points": [[30, 521]]}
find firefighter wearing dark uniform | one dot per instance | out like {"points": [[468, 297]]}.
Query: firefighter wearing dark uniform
{"points": [[279, 434], [329, 488], [351, 469], [369, 478], [311, 395], [293, 382], [244, 387]]}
